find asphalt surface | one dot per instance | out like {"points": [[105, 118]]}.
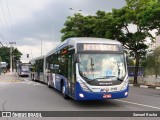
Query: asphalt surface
{"points": [[22, 94]]}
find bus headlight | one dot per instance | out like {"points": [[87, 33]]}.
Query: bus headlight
{"points": [[125, 84], [83, 85], [81, 95]]}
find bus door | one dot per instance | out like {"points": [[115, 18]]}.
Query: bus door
{"points": [[71, 75]]}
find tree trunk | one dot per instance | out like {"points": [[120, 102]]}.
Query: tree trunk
{"points": [[156, 70], [136, 69]]}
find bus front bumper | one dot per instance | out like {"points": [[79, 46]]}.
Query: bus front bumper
{"points": [[84, 95]]}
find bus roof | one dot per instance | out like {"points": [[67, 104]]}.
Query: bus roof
{"points": [[24, 64], [73, 41], [37, 58]]}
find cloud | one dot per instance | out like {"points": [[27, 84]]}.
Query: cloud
{"points": [[35, 51], [34, 21]]}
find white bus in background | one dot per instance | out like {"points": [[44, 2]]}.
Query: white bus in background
{"points": [[23, 69]]}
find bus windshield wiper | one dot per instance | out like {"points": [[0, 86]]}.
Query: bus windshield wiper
{"points": [[105, 77], [101, 77], [119, 79], [95, 79], [88, 80]]}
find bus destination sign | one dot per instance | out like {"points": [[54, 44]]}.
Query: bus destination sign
{"points": [[100, 47]]}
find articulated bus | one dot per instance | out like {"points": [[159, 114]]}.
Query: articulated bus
{"points": [[38, 68], [87, 69]]}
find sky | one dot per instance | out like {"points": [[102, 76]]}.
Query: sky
{"points": [[35, 24]]}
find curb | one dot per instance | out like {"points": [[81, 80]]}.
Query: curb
{"points": [[144, 86]]}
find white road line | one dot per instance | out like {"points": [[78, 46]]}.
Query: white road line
{"points": [[157, 87], [32, 83], [143, 86], [38, 84], [4, 83], [139, 104]]}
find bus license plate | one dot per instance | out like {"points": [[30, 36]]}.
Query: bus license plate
{"points": [[107, 96]]}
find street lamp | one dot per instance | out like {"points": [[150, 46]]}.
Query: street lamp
{"points": [[76, 10]]}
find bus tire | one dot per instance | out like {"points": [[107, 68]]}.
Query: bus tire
{"points": [[63, 92]]}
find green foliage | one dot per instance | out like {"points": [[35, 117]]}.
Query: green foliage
{"points": [[5, 54], [0, 59], [150, 16], [131, 62], [143, 14], [78, 26]]}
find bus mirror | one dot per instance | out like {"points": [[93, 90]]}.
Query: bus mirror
{"points": [[76, 58]]}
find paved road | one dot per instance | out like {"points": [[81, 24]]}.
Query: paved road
{"points": [[22, 94]]}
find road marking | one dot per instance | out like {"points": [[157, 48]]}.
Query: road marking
{"points": [[157, 87], [143, 86], [10, 81], [26, 81], [139, 104], [4, 83]]}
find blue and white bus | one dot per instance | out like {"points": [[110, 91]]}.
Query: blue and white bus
{"points": [[87, 69], [38, 69]]}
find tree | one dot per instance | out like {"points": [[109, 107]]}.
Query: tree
{"points": [[117, 24], [5, 54], [150, 16], [0, 59], [78, 26]]}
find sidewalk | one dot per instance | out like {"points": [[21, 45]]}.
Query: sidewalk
{"points": [[8, 77], [150, 81]]}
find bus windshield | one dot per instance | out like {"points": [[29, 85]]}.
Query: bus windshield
{"points": [[102, 67], [25, 68]]}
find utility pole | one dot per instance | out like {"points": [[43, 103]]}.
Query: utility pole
{"points": [[41, 47], [11, 43], [75, 11]]}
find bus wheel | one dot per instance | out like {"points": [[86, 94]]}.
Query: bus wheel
{"points": [[63, 92], [48, 83]]}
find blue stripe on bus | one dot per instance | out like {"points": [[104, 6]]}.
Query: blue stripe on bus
{"points": [[98, 95]]}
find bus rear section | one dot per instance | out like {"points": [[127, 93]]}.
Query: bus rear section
{"points": [[37, 69]]}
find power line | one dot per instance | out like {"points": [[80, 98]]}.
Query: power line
{"points": [[2, 38], [7, 28], [3, 31], [10, 21]]}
